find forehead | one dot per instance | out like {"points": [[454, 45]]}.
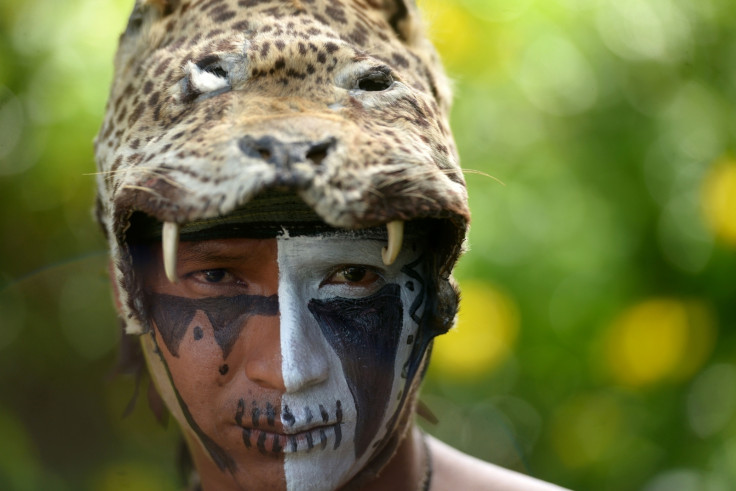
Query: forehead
{"points": [[323, 247], [304, 256]]}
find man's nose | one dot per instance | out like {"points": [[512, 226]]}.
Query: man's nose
{"points": [[286, 352], [303, 348], [263, 352]]}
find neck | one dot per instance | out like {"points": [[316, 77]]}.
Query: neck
{"points": [[405, 470]]}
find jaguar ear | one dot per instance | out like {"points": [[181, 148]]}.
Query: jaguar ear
{"points": [[403, 17], [145, 13], [164, 7]]}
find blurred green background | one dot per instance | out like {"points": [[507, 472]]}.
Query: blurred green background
{"points": [[596, 344]]}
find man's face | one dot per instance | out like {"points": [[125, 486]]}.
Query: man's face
{"points": [[286, 358]]}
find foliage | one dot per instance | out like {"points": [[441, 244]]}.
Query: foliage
{"points": [[596, 344]]}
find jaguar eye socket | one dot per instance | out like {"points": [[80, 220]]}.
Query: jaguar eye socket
{"points": [[203, 78], [211, 64], [216, 70], [376, 81]]}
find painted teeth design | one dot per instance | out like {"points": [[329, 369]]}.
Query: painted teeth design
{"points": [[170, 245], [395, 231], [316, 439], [267, 441]]}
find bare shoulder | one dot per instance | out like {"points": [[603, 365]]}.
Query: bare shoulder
{"points": [[454, 470]]}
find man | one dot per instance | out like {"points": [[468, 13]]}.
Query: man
{"points": [[284, 207]]}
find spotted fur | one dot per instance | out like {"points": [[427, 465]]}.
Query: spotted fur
{"points": [[343, 102]]}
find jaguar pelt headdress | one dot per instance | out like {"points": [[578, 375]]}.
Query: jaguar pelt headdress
{"points": [[342, 103]]}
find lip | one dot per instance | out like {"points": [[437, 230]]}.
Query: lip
{"points": [[293, 440]]}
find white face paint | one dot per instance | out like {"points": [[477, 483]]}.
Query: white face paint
{"points": [[313, 366], [346, 333]]}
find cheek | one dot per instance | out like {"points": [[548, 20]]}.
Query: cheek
{"points": [[193, 377], [198, 362]]}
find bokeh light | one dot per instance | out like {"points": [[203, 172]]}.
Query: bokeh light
{"points": [[659, 340], [484, 336], [11, 127], [12, 320], [586, 429], [456, 33], [602, 252], [719, 199], [87, 296], [679, 479], [19, 466], [711, 402], [645, 30], [556, 77]]}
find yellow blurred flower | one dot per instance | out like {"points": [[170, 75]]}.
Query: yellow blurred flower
{"points": [[719, 199], [487, 327], [660, 339], [455, 33]]}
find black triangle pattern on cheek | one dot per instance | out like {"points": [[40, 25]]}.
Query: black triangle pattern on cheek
{"points": [[228, 315], [172, 316], [365, 333]]}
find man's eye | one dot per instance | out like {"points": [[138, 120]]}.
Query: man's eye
{"points": [[213, 276], [354, 276]]}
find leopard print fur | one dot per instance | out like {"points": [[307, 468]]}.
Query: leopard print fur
{"points": [[343, 102]]}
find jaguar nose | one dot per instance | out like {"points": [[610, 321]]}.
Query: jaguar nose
{"points": [[284, 154]]}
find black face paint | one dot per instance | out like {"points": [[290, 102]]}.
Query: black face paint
{"points": [[246, 437], [364, 332], [255, 415], [239, 412], [222, 459], [288, 418], [262, 442], [227, 315], [338, 429], [425, 333], [428, 327], [277, 448]]}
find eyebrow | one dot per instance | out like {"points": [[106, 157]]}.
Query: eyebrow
{"points": [[207, 251]]}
